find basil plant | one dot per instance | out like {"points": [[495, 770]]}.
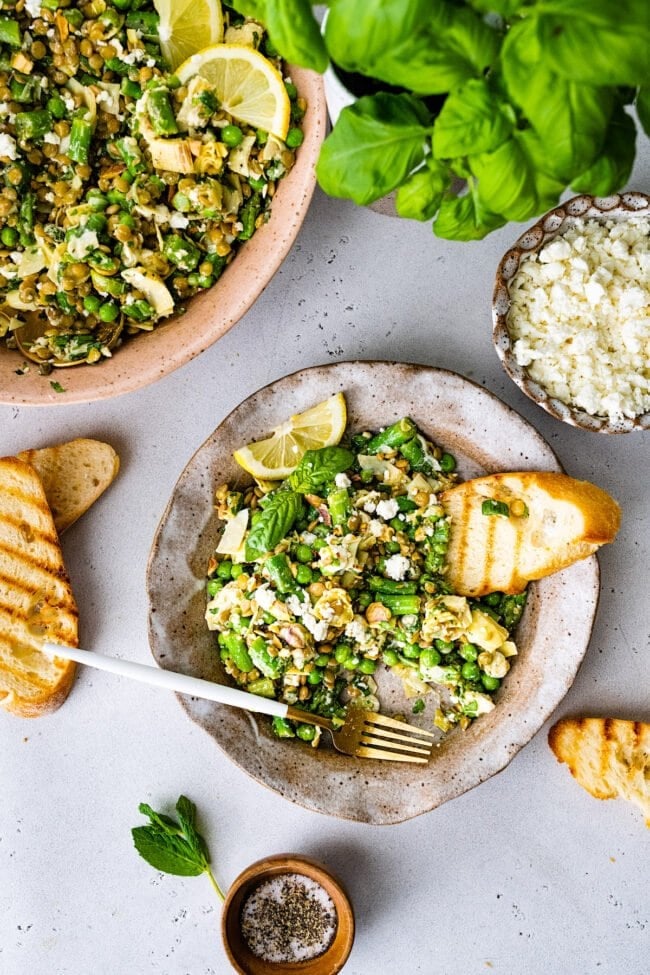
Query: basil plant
{"points": [[518, 99]]}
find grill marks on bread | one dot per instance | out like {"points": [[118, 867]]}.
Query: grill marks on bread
{"points": [[564, 520], [609, 757], [36, 599]]}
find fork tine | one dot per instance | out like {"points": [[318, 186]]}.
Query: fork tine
{"points": [[365, 752], [375, 718], [416, 748], [395, 736]]}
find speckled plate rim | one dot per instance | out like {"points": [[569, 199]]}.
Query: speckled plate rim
{"points": [[487, 436], [616, 207], [155, 354]]}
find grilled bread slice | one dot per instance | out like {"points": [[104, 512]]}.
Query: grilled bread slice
{"points": [[36, 599], [74, 474], [609, 757], [549, 521]]}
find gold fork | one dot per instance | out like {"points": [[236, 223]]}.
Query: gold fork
{"points": [[364, 734], [367, 734]]}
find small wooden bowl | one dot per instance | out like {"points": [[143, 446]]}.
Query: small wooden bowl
{"points": [[239, 954]]}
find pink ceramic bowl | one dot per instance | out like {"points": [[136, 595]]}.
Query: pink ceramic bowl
{"points": [[149, 356]]}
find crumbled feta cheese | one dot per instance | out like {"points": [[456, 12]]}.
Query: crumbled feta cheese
{"points": [[580, 316], [79, 246], [307, 538], [317, 628], [342, 481], [358, 630], [177, 221], [264, 597], [370, 507], [33, 8], [387, 509], [397, 566], [375, 527], [7, 146]]}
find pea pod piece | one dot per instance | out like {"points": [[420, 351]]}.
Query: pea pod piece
{"points": [[393, 436]]}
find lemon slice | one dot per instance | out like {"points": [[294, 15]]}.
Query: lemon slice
{"points": [[186, 26], [247, 85], [276, 457]]}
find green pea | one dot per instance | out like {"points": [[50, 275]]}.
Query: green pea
{"points": [[322, 660], [257, 182], [390, 658], [367, 476], [490, 683], [306, 731], [470, 671], [261, 137], [181, 202], [205, 281], [236, 571], [213, 587], [57, 107], [314, 677], [341, 652], [96, 200], [224, 569], [412, 651], [92, 303], [393, 547], [447, 463], [126, 220], [319, 543], [397, 524], [444, 646], [352, 662], [193, 279], [232, 135], [292, 91], [108, 312], [294, 138], [430, 657], [303, 575], [304, 553], [268, 617], [367, 666], [468, 651], [9, 236], [364, 600]]}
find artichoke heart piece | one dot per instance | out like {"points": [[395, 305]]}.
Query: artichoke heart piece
{"points": [[154, 290], [172, 155]]}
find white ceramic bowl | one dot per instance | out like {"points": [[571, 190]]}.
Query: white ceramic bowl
{"points": [[554, 224], [147, 357]]}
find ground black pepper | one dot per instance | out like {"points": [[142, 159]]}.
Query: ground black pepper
{"points": [[288, 918]]}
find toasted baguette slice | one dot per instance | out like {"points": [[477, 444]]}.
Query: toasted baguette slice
{"points": [[74, 474], [36, 599], [563, 520], [609, 757]]}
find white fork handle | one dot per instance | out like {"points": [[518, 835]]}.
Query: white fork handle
{"points": [[171, 681]]}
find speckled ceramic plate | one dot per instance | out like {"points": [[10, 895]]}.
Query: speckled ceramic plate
{"points": [[486, 436], [554, 224], [152, 355]]}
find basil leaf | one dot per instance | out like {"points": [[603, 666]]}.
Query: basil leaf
{"points": [[473, 119], [427, 48], [596, 42], [292, 28], [277, 519], [421, 195], [506, 181], [166, 852], [465, 217], [374, 145], [571, 119], [506, 8], [643, 107], [612, 168], [317, 467]]}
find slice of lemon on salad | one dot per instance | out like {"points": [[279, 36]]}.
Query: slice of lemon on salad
{"points": [[276, 457], [186, 26], [247, 85]]}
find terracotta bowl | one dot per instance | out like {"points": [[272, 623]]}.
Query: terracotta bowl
{"points": [[239, 954], [554, 224], [485, 436], [152, 355]]}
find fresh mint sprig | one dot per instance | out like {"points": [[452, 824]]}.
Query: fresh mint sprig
{"points": [[174, 847]]}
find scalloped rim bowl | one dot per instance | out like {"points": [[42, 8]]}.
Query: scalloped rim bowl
{"points": [[150, 356], [552, 224]]}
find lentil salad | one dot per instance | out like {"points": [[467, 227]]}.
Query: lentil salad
{"points": [[340, 569], [125, 192]]}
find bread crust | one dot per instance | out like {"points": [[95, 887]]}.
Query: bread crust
{"points": [[609, 757], [36, 599], [565, 520]]}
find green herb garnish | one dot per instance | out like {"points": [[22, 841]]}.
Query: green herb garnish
{"points": [[57, 387], [418, 706], [492, 507], [174, 847]]}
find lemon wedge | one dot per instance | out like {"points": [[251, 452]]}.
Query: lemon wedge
{"points": [[276, 457], [186, 26], [247, 85]]}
